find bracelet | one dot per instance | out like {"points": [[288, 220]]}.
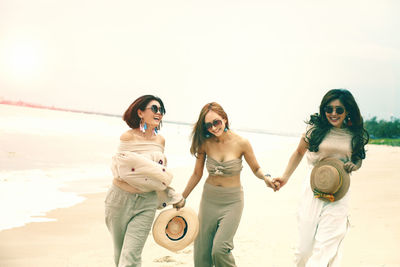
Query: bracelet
{"points": [[266, 176]]}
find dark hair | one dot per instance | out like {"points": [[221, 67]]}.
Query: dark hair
{"points": [[131, 116], [321, 125], [199, 133]]}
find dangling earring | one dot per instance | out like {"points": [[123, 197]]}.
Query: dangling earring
{"points": [[155, 131], [226, 129], [208, 135], [349, 123], [142, 126]]}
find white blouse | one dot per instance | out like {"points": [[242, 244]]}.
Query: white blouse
{"points": [[336, 144]]}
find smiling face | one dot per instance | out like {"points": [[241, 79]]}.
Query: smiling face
{"points": [[332, 110], [149, 117], [216, 122]]}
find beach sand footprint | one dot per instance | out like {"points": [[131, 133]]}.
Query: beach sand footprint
{"points": [[168, 261], [187, 251], [165, 259]]}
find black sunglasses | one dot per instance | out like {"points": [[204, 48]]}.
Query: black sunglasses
{"points": [[215, 123], [157, 109], [329, 109]]}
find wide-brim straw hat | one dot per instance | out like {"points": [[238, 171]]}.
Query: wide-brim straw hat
{"points": [[176, 229], [329, 180]]}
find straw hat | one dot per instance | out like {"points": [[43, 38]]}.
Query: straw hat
{"points": [[176, 229], [329, 180]]}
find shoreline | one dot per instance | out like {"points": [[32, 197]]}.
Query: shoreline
{"points": [[35, 192], [173, 122], [68, 240]]}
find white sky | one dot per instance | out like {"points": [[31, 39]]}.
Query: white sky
{"points": [[267, 62]]}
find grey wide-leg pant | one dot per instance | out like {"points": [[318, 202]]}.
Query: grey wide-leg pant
{"points": [[220, 212], [129, 218]]}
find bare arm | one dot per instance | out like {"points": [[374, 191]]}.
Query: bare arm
{"points": [[294, 161], [250, 158], [196, 176]]}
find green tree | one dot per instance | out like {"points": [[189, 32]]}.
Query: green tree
{"points": [[383, 128]]}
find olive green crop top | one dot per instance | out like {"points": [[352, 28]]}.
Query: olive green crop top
{"points": [[225, 168]]}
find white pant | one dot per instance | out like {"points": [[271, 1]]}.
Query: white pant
{"points": [[322, 227]]}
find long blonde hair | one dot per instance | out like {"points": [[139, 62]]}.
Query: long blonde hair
{"points": [[200, 133]]}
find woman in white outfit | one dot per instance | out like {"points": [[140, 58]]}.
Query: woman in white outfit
{"points": [[336, 132]]}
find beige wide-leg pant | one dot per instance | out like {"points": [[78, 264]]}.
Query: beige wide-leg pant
{"points": [[220, 212], [322, 228], [129, 218]]}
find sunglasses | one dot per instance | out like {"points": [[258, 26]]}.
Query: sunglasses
{"points": [[157, 109], [329, 110], [215, 123]]}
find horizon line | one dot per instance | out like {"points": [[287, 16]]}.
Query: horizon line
{"points": [[21, 103]]}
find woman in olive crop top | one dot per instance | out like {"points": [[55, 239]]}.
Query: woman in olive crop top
{"points": [[215, 145]]}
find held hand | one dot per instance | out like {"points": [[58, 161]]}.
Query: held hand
{"points": [[350, 166], [180, 204], [279, 181], [268, 181]]}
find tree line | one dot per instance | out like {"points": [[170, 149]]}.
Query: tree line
{"points": [[383, 128]]}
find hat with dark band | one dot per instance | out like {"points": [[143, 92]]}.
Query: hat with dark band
{"points": [[176, 229], [329, 180]]}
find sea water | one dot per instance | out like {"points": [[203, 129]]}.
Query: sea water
{"points": [[50, 159]]}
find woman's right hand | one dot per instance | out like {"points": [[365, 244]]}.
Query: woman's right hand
{"points": [[180, 204]]}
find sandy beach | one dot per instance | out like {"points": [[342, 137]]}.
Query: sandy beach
{"points": [[53, 181], [266, 236], [72, 72]]}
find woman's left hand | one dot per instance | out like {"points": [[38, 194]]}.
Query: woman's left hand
{"points": [[350, 166], [268, 181]]}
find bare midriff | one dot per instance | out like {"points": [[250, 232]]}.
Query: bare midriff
{"points": [[126, 187], [223, 181]]}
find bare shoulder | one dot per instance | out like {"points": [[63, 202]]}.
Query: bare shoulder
{"points": [[161, 140], [203, 148], [127, 136], [241, 141], [205, 145], [201, 153]]}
